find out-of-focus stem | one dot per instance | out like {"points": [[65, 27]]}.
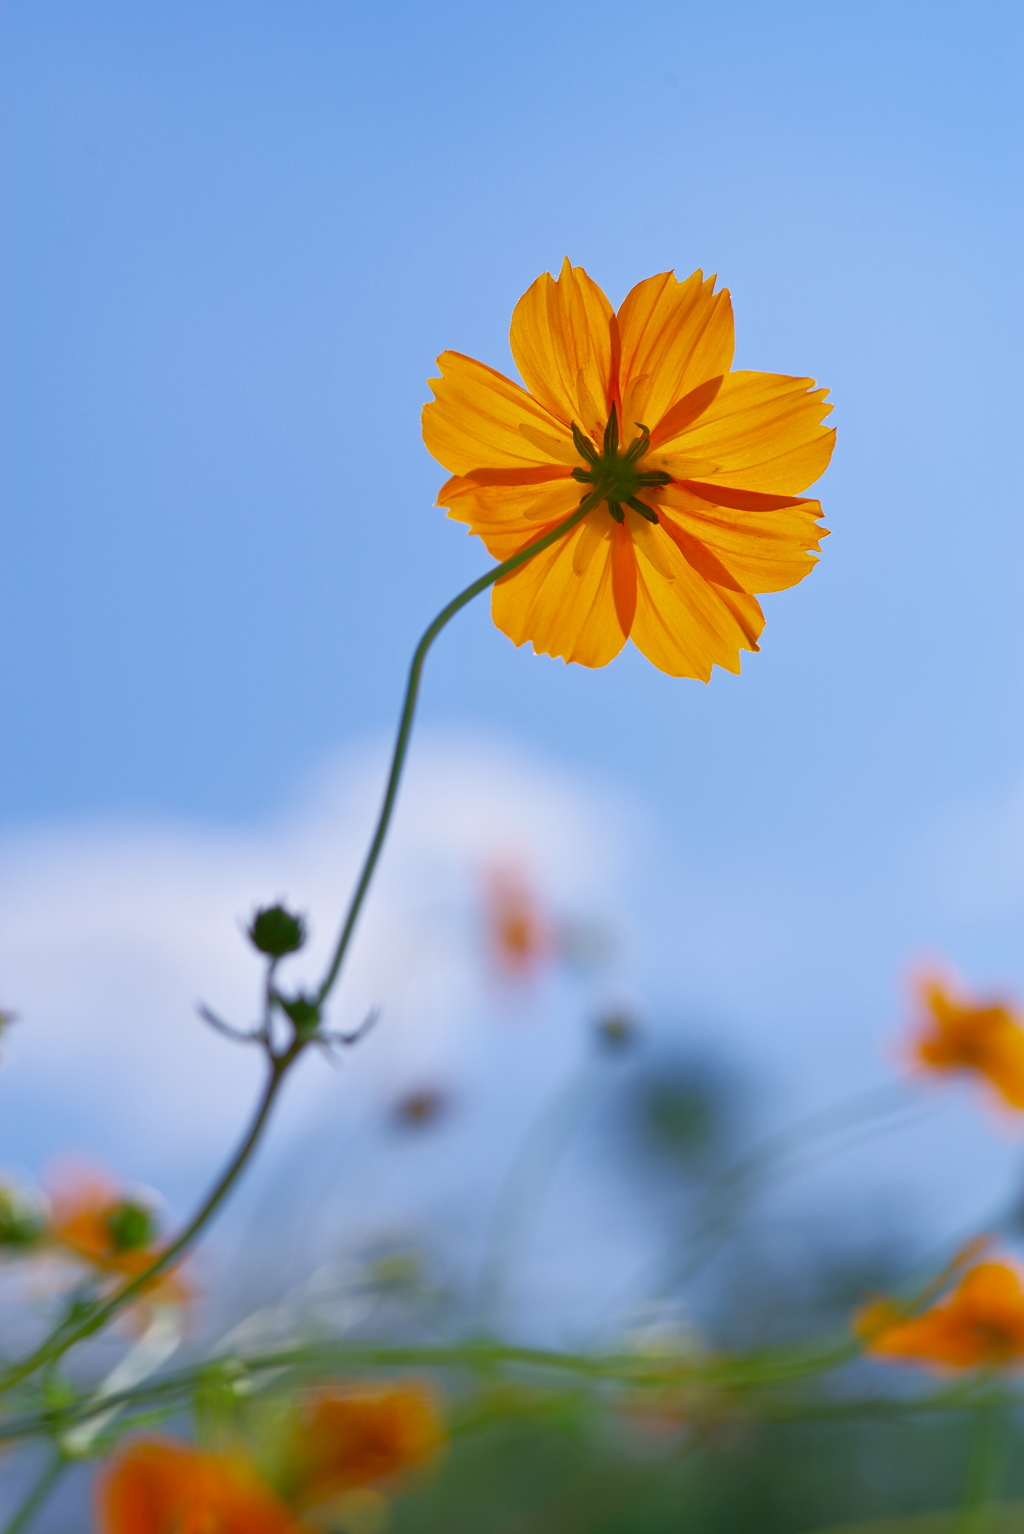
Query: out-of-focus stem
{"points": [[984, 1470], [23, 1515], [65, 1337], [535, 1160]]}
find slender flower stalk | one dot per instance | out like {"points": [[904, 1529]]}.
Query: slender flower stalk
{"points": [[306, 1029], [405, 723], [38, 1494]]}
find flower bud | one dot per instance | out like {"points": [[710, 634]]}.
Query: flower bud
{"points": [[304, 1013], [22, 1218], [275, 931], [131, 1226]]}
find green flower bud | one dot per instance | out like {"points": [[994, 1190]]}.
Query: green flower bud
{"points": [[275, 931], [305, 1014], [131, 1226], [22, 1220]]}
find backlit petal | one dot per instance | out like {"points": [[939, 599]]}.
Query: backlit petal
{"points": [[763, 550], [561, 339], [762, 431], [686, 625], [674, 336], [508, 516], [563, 613], [474, 420]]}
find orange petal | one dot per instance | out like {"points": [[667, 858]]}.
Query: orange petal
{"points": [[686, 624], [765, 550], [991, 1289], [762, 431], [674, 336], [561, 612], [623, 574], [561, 339], [507, 517], [156, 1485], [1003, 1063], [476, 418]]}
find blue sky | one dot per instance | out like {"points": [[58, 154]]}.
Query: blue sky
{"points": [[237, 236]]}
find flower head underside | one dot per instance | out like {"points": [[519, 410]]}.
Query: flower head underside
{"points": [[688, 474]]}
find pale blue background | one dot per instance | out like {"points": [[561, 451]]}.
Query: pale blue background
{"points": [[236, 237]]}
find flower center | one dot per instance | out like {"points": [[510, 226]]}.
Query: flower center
{"points": [[616, 477]]}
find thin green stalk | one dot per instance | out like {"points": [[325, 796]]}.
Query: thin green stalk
{"points": [[755, 1379], [65, 1337], [724, 1199], [23, 1515], [984, 1471], [405, 723]]}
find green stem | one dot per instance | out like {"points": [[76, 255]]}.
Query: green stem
{"points": [[65, 1337], [984, 1470], [405, 723], [23, 1515]]}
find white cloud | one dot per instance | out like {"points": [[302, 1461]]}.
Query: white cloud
{"points": [[110, 933]]}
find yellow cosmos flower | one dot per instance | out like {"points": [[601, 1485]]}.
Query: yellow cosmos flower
{"points": [[691, 474]]}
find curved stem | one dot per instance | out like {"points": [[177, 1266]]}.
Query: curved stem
{"points": [[405, 722], [23, 1515], [65, 1337]]}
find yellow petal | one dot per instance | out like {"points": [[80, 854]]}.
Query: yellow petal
{"points": [[762, 431], [475, 420], [686, 625], [560, 612], [651, 540], [763, 550], [595, 532], [561, 339], [508, 516], [674, 336]]}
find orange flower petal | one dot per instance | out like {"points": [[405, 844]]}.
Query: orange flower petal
{"points": [[477, 416], [156, 1486], [507, 517], [562, 340], [958, 1035], [1004, 1065], [981, 1323], [762, 431], [345, 1440], [674, 336], [565, 611], [685, 625], [762, 550]]}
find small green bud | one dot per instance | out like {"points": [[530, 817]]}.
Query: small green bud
{"points": [[131, 1226], [22, 1221], [275, 931], [303, 1012]]}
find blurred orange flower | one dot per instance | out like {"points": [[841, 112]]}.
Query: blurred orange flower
{"points": [[156, 1486], [691, 473], [980, 1325], [956, 1034], [93, 1219], [520, 938], [342, 1440]]}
